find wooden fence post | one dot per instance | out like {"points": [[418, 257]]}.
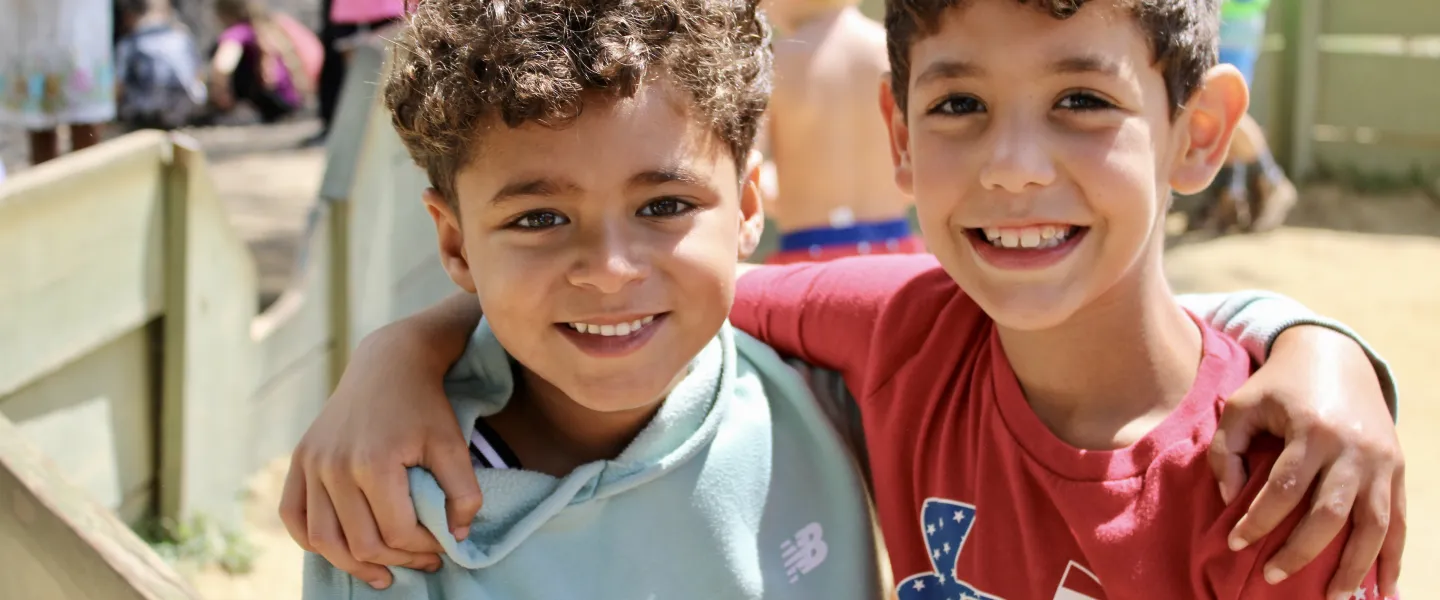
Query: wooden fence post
{"points": [[1305, 25]]}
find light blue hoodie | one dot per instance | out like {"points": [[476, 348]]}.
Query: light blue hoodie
{"points": [[740, 487]]}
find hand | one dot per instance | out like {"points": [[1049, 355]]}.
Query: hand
{"points": [[1320, 392], [347, 496]]}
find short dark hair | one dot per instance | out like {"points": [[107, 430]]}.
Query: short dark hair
{"points": [[518, 61], [1183, 35]]}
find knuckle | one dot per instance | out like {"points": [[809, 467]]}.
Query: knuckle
{"points": [[367, 552], [404, 539], [1378, 519], [323, 543], [1285, 484], [1330, 510]]}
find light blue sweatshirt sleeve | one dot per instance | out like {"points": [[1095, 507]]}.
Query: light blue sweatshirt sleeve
{"points": [[1256, 319]]}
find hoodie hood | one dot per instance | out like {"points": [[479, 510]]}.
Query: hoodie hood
{"points": [[517, 502]]}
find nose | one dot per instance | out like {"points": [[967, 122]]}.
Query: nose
{"points": [[610, 258], [1018, 159]]}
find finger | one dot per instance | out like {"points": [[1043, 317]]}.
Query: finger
{"points": [[362, 535], [1289, 479], [329, 541], [1226, 461], [450, 462], [1329, 511], [292, 506], [1372, 524], [389, 498], [1394, 547]]}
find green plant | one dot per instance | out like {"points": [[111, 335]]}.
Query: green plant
{"points": [[199, 541]]}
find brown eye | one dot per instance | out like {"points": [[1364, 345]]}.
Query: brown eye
{"points": [[544, 219], [1082, 101], [666, 207], [958, 105]]}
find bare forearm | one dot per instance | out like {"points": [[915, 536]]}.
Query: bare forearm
{"points": [[435, 337]]}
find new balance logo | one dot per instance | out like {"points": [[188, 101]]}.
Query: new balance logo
{"points": [[805, 552]]}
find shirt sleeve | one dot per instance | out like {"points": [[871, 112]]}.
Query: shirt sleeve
{"points": [[823, 313], [240, 34], [1256, 319], [1231, 575]]}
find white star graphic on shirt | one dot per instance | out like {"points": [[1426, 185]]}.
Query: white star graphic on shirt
{"points": [[919, 584], [959, 517], [936, 554], [940, 522], [930, 530], [946, 547], [1360, 593], [941, 577]]}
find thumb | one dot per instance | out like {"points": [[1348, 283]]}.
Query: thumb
{"points": [[1239, 422], [450, 462]]}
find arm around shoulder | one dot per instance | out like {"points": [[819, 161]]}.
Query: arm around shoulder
{"points": [[1258, 319]]}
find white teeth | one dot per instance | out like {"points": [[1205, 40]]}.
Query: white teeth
{"points": [[621, 329], [1045, 236]]}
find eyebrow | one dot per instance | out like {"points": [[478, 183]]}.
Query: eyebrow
{"points": [[673, 174], [540, 186], [1073, 65], [949, 69], [549, 187], [959, 69]]}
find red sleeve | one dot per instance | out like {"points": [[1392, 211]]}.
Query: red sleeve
{"points": [[1241, 575], [824, 313]]}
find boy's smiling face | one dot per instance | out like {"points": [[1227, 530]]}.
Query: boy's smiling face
{"points": [[626, 224], [1042, 152]]}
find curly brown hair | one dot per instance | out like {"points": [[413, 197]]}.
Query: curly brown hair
{"points": [[468, 62], [1184, 37]]}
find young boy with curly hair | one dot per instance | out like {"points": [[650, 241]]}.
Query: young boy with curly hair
{"points": [[1036, 405], [592, 190]]}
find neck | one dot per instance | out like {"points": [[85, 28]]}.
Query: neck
{"points": [[805, 16], [1115, 369], [553, 434]]}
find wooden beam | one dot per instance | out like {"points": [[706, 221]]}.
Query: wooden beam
{"points": [[58, 543], [1306, 25]]}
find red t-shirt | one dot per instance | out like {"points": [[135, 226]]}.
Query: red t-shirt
{"points": [[977, 498]]}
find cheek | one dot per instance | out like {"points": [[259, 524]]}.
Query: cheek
{"points": [[1118, 173], [514, 281], [701, 263], [944, 168]]}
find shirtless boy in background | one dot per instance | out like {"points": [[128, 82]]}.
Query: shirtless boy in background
{"points": [[836, 191]]}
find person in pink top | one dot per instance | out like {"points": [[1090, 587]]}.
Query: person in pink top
{"points": [[263, 57], [355, 12], [343, 19]]}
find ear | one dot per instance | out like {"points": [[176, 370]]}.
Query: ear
{"points": [[451, 238], [899, 136], [752, 211], [1207, 126]]}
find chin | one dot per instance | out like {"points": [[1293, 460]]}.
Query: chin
{"points": [[1027, 310], [617, 400]]}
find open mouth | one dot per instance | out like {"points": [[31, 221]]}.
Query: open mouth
{"points": [[613, 329], [1040, 237]]}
